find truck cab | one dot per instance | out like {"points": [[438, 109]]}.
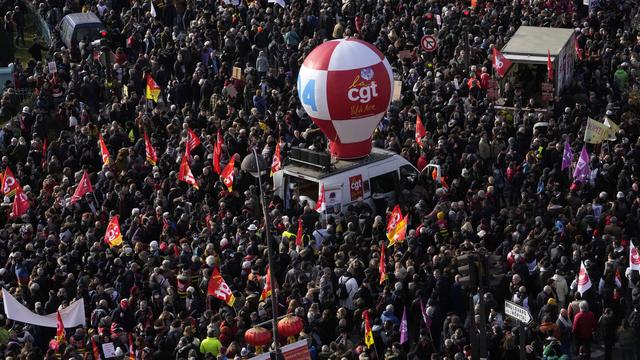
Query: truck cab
{"points": [[78, 27]]}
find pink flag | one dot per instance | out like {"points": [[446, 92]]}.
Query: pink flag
{"points": [[634, 258]]}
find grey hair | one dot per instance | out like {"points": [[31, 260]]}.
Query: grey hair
{"points": [[584, 306]]}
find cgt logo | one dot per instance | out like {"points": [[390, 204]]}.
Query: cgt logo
{"points": [[363, 89], [355, 187]]}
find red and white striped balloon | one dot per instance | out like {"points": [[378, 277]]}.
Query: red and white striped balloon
{"points": [[346, 86]]}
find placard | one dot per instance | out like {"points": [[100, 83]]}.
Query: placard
{"points": [[236, 73], [52, 67], [546, 91], [405, 54], [397, 90], [109, 350], [356, 187]]}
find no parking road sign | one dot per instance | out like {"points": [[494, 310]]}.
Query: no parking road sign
{"points": [[429, 43]]}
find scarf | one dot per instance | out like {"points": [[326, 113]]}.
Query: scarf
{"points": [[565, 322]]}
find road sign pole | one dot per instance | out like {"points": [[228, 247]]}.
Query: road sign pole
{"points": [[523, 352], [483, 327], [475, 348]]}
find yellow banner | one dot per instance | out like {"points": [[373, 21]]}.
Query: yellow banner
{"points": [[596, 132]]}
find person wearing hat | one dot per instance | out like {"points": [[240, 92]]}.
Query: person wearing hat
{"points": [[123, 315]]}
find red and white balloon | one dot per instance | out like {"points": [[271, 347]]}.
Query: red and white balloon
{"points": [[346, 86]]}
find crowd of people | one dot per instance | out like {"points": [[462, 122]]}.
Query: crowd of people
{"points": [[506, 192]]}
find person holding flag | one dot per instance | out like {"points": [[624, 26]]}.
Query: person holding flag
{"points": [[193, 141], [185, 173], [500, 63], [268, 287], [113, 236], [153, 89], [9, 182], [104, 151], [420, 131], [321, 204], [276, 163], [219, 289], [368, 333], [84, 187], [567, 156], [20, 204], [217, 153], [228, 175], [383, 265]]}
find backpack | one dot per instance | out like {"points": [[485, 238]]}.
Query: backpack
{"points": [[634, 320], [342, 292]]}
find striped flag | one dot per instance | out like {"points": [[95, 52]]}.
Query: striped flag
{"points": [[152, 157], [368, 334], [104, 152], [383, 265], [153, 89]]}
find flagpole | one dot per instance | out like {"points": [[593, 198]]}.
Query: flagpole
{"points": [[375, 348], [274, 307]]}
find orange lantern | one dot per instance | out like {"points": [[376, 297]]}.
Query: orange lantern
{"points": [[258, 337], [289, 327]]}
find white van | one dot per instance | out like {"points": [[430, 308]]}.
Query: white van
{"points": [[375, 179]]}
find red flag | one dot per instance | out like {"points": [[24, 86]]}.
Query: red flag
{"points": [[20, 204], [219, 289], [153, 89], [266, 291], [113, 236], [9, 183], [474, 4], [549, 66], [185, 173], [577, 47], [368, 334], [152, 157], [618, 278], [228, 174], [104, 152], [500, 63], [383, 265], [443, 179], [193, 141], [420, 131], [392, 222], [83, 188], [217, 154], [276, 163], [60, 335], [94, 348], [321, 204], [132, 350], [44, 154], [299, 234]]}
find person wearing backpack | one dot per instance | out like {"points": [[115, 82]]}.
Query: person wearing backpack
{"points": [[347, 288]]}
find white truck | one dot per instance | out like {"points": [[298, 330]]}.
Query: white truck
{"points": [[375, 179]]}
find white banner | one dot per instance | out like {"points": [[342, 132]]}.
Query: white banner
{"points": [[72, 315], [296, 351]]}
